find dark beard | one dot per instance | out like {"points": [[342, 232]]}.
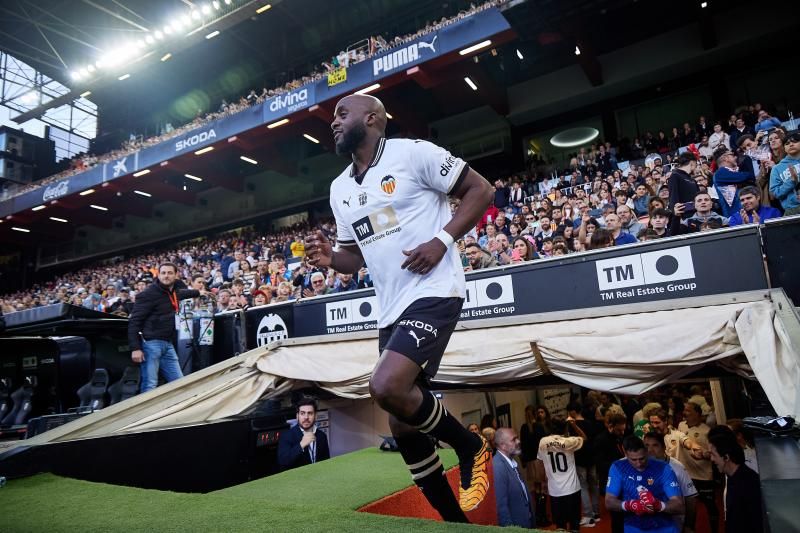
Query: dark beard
{"points": [[351, 140]]}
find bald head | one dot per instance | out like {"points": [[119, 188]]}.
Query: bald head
{"points": [[506, 440], [358, 119]]}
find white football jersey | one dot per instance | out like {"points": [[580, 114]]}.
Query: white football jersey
{"points": [[400, 204], [558, 455]]}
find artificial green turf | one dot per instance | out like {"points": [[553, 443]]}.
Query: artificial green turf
{"points": [[320, 498]]}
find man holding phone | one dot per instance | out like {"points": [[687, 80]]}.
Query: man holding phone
{"points": [[305, 443]]}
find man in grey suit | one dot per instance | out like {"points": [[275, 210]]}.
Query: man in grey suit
{"points": [[514, 506]]}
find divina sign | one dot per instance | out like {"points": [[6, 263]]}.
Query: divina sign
{"points": [[194, 140], [291, 101]]}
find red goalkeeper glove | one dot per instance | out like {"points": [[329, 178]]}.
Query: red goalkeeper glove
{"points": [[651, 502], [636, 507]]}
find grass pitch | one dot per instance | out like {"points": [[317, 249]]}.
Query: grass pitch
{"points": [[323, 497]]}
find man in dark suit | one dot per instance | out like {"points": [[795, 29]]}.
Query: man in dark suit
{"points": [[513, 499], [303, 444]]}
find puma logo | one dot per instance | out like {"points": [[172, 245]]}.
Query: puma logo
{"points": [[347, 202], [431, 45], [411, 332]]}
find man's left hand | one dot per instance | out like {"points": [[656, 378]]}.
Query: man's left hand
{"points": [[424, 257]]}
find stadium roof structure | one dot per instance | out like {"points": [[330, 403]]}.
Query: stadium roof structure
{"points": [[266, 49]]}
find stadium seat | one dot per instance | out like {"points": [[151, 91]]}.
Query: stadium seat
{"points": [[93, 394], [126, 387], [22, 405]]}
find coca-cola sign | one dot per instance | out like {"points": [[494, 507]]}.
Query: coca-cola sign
{"points": [[55, 191]]}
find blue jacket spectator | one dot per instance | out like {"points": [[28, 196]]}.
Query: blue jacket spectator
{"points": [[783, 177], [728, 178], [766, 122], [752, 212]]}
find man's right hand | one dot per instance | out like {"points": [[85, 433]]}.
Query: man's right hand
{"points": [[319, 249], [137, 356], [636, 507], [307, 439]]}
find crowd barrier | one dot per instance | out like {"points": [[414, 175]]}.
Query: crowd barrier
{"points": [[580, 285]]}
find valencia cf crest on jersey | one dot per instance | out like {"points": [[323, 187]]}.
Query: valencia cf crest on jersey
{"points": [[650, 481], [388, 184]]}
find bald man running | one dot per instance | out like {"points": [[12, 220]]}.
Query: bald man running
{"points": [[391, 210]]}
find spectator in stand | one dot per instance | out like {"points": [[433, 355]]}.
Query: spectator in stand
{"points": [[523, 250], [688, 135], [641, 198], [517, 197], [783, 181], [318, 286], [500, 249], [123, 306], [602, 238], [479, 258], [285, 292], [728, 178], [703, 213], [363, 278], [659, 222], [627, 222], [260, 298], [681, 184], [501, 195], [719, 139], [752, 212], [740, 129], [491, 233], [344, 283], [702, 127], [766, 122], [501, 223], [614, 225]]}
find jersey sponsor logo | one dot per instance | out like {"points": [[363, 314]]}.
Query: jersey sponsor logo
{"points": [[271, 328], [388, 185], [447, 165], [419, 324], [403, 56], [376, 225], [652, 273]]}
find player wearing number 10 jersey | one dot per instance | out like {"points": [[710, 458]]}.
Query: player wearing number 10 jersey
{"points": [[557, 456]]}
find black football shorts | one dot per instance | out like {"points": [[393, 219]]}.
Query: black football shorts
{"points": [[422, 331]]}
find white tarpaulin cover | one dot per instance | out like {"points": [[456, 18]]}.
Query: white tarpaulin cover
{"points": [[628, 354]]}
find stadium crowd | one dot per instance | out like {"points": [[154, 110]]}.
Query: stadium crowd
{"points": [[344, 59], [596, 202], [681, 425]]}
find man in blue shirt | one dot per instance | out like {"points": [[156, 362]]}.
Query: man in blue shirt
{"points": [[614, 225], [646, 490], [752, 212], [728, 179]]}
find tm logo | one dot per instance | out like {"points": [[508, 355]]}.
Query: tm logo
{"points": [[645, 269]]}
